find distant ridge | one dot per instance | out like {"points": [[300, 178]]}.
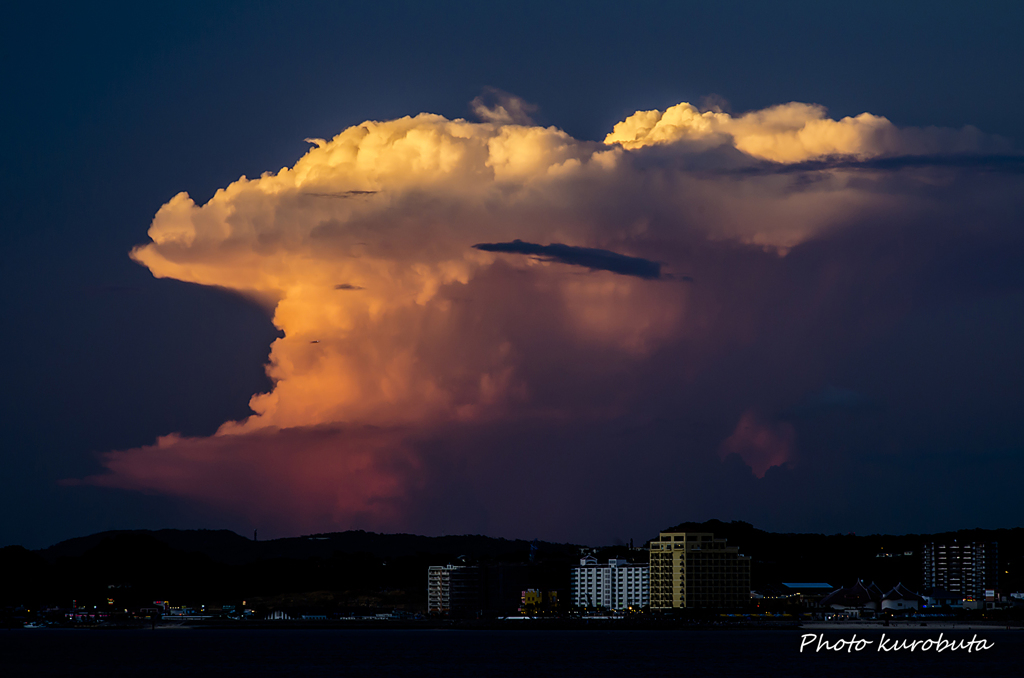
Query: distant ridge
{"points": [[218, 545], [355, 569], [225, 546]]}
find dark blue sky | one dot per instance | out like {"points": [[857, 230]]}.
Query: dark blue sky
{"points": [[110, 110]]}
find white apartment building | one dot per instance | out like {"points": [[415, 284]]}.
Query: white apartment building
{"points": [[618, 585]]}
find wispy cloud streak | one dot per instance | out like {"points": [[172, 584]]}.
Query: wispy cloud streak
{"points": [[1006, 164], [588, 257]]}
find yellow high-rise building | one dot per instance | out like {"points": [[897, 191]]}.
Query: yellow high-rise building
{"points": [[693, 569]]}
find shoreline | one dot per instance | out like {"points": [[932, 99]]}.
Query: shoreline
{"points": [[556, 625]]}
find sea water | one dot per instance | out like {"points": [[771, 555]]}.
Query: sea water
{"points": [[481, 654]]}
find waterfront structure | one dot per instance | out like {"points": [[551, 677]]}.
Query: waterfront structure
{"points": [[855, 600], [536, 601], [793, 593], [866, 600], [938, 597], [693, 569], [964, 569], [901, 598], [453, 589], [619, 585]]}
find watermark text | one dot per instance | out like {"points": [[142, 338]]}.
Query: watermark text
{"points": [[814, 642]]}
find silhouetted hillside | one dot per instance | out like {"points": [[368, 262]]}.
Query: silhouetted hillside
{"points": [[224, 546], [136, 567]]}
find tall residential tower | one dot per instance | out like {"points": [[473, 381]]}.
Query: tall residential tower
{"points": [[965, 569], [693, 569]]}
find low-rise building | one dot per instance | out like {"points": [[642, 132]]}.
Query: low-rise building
{"points": [[536, 601], [856, 599], [940, 597], [901, 598], [802, 594]]}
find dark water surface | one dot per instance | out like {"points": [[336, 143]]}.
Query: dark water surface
{"points": [[458, 654]]}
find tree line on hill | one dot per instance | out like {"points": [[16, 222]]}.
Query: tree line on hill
{"points": [[348, 571]]}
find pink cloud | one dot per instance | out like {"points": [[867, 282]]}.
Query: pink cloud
{"points": [[759, 444], [289, 480]]}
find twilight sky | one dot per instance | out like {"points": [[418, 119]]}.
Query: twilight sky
{"points": [[575, 273]]}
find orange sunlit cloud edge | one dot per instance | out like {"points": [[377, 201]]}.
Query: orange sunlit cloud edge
{"points": [[397, 332]]}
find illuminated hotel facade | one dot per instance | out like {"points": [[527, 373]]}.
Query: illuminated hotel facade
{"points": [[695, 570], [619, 585]]}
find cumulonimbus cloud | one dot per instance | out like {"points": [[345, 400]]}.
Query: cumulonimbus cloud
{"points": [[413, 214]]}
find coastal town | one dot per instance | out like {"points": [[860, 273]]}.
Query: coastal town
{"points": [[683, 575]]}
